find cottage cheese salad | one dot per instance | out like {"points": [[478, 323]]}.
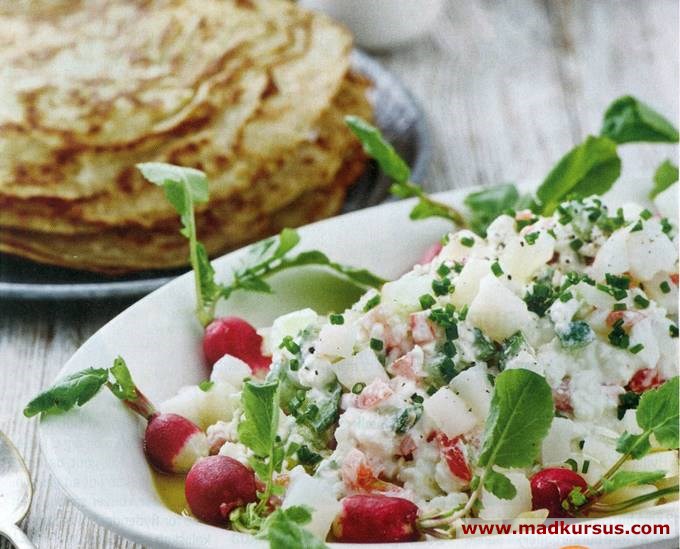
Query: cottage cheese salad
{"points": [[526, 367]]}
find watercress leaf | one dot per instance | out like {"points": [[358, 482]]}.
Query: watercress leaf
{"points": [[283, 528], [621, 479], [487, 204], [519, 418], [261, 417], [74, 389], [628, 119], [311, 257], [666, 174], [193, 180], [288, 239], [362, 277], [589, 168], [205, 274], [636, 445], [379, 149], [658, 413], [124, 388], [499, 485], [425, 209], [401, 190], [255, 284]]}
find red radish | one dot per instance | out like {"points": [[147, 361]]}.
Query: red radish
{"points": [[217, 485], [172, 443], [645, 379], [231, 335], [430, 254], [376, 519], [550, 487]]}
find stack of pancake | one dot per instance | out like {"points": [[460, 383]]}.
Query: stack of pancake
{"points": [[252, 92]]}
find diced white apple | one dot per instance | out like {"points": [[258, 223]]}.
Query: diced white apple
{"points": [[290, 325], [456, 250], [642, 333], [364, 367], [404, 293], [186, 403], [667, 203], [501, 230], [218, 404], [612, 257], [522, 260], [317, 494], [556, 448], [668, 300], [472, 385], [497, 311], [336, 340], [467, 283], [230, 369], [449, 413], [650, 251], [668, 348], [503, 509]]}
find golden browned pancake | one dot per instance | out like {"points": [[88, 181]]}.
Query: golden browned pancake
{"points": [[253, 92]]}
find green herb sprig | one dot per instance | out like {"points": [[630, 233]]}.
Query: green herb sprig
{"points": [[80, 387], [591, 167], [185, 188]]}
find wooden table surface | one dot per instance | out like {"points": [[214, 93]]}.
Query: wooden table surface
{"points": [[508, 87]]}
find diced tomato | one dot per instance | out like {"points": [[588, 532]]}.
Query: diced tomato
{"points": [[674, 278], [359, 476], [453, 451], [645, 379]]}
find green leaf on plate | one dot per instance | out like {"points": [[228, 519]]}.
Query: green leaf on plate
{"points": [[258, 428], [379, 149], [123, 387], [628, 120], [73, 390], [499, 485], [589, 168], [487, 204], [519, 418], [666, 174], [284, 529], [621, 479]]}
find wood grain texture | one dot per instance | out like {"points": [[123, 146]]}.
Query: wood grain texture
{"points": [[507, 87]]}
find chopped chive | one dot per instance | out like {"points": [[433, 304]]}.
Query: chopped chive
{"points": [[449, 349], [294, 365], [673, 330], [576, 244], [376, 344], [551, 232], [586, 466], [463, 312], [572, 464], [496, 269], [206, 385], [426, 301], [415, 397], [619, 307], [375, 300], [621, 282], [581, 444], [640, 302], [337, 319], [441, 287], [531, 238], [358, 387], [635, 349], [646, 214], [467, 241], [666, 226], [290, 345], [637, 227], [665, 287], [457, 267], [566, 296], [443, 270]]}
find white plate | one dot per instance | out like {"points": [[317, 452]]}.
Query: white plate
{"points": [[95, 452]]}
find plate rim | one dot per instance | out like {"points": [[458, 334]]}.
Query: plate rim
{"points": [[136, 288], [228, 538]]}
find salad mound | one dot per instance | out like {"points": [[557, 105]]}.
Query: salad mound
{"points": [[525, 368], [395, 396]]}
